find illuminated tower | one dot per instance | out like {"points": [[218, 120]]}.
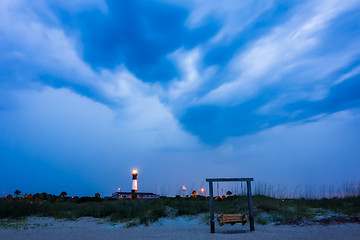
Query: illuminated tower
{"points": [[134, 183], [184, 191]]}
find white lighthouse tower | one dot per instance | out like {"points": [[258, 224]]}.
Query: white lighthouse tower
{"points": [[134, 194], [134, 182]]}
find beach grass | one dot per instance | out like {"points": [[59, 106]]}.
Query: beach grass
{"points": [[266, 209]]}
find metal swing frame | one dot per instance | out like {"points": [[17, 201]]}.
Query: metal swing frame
{"points": [[249, 196]]}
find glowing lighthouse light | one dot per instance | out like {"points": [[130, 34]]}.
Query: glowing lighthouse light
{"points": [[184, 188], [134, 183]]}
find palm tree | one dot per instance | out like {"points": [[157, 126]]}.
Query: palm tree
{"points": [[17, 193], [63, 194], [133, 196], [43, 196]]}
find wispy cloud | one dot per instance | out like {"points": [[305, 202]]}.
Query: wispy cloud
{"points": [[233, 15], [355, 71], [270, 58]]}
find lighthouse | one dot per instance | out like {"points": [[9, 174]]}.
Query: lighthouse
{"points": [[134, 182], [134, 194]]}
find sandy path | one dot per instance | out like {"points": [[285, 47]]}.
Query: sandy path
{"points": [[89, 228]]}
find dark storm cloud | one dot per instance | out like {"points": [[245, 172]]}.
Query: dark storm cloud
{"points": [[139, 34]]}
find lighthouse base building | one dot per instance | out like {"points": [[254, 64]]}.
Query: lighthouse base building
{"points": [[139, 195]]}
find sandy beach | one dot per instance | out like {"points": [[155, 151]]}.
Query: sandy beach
{"points": [[177, 228]]}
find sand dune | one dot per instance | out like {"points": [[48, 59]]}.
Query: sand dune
{"points": [[179, 228]]}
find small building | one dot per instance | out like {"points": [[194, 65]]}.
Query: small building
{"points": [[139, 195]]}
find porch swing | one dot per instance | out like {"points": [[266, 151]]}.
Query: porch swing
{"points": [[234, 217], [231, 218]]}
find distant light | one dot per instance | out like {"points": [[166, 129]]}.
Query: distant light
{"points": [[135, 171], [202, 189], [119, 189], [183, 188]]}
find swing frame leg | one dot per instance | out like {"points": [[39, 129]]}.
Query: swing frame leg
{"points": [[211, 198], [251, 214]]}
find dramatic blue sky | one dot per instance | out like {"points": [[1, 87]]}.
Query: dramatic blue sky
{"points": [[181, 90]]}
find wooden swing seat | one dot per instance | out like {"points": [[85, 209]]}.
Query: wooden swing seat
{"points": [[232, 218]]}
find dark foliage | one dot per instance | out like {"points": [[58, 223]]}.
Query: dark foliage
{"points": [[147, 211]]}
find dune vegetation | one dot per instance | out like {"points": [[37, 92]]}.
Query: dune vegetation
{"points": [[266, 209]]}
